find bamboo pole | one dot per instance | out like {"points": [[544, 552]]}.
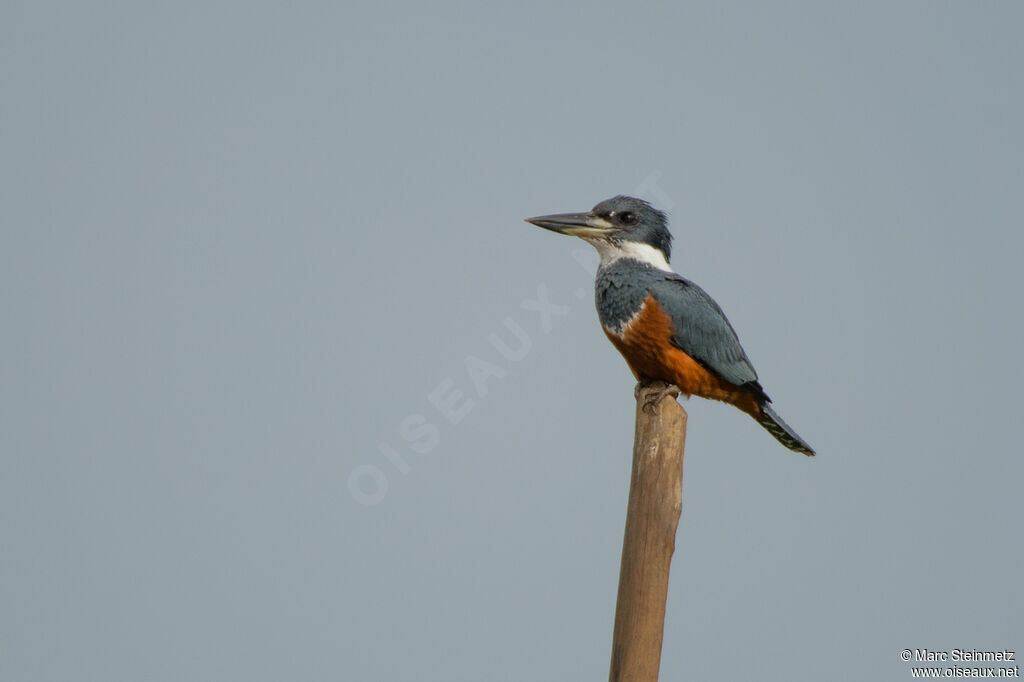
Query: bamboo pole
{"points": [[652, 516]]}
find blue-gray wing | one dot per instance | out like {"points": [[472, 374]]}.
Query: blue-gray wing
{"points": [[702, 330]]}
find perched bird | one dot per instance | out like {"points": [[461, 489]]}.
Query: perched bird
{"points": [[666, 327]]}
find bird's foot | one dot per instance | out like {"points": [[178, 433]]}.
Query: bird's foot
{"points": [[649, 394]]}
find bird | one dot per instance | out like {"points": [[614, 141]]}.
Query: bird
{"points": [[666, 327]]}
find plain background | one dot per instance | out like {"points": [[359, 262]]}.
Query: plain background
{"points": [[243, 243]]}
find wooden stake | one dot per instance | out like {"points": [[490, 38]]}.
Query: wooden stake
{"points": [[652, 516]]}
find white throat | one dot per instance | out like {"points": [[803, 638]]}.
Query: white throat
{"points": [[644, 253]]}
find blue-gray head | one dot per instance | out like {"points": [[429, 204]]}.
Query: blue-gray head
{"points": [[620, 227]]}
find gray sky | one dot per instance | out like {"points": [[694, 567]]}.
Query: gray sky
{"points": [[243, 244]]}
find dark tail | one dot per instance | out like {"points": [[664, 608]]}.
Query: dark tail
{"points": [[781, 430]]}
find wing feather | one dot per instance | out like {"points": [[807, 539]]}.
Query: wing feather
{"points": [[703, 332]]}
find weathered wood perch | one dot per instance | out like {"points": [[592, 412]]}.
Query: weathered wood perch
{"points": [[652, 516]]}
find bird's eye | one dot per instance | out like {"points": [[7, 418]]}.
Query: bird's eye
{"points": [[628, 218]]}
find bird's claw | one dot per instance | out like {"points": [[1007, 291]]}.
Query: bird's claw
{"points": [[651, 394]]}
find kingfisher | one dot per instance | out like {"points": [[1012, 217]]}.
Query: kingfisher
{"points": [[666, 327]]}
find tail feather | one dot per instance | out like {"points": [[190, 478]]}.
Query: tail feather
{"points": [[782, 431]]}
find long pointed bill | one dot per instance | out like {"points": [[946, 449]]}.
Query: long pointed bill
{"points": [[574, 224]]}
